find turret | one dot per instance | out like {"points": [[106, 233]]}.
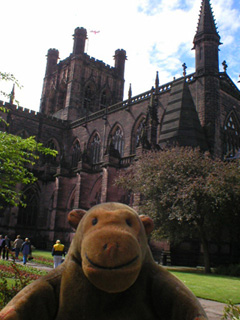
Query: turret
{"points": [[52, 59], [80, 36], [206, 42], [120, 58]]}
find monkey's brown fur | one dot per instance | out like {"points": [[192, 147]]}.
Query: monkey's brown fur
{"points": [[109, 274]]}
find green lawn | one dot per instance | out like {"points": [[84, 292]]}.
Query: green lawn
{"points": [[213, 287], [44, 254]]}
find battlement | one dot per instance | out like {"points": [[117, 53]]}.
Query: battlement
{"points": [[97, 62], [29, 113]]}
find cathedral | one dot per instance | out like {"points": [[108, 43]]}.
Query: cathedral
{"points": [[97, 134]]}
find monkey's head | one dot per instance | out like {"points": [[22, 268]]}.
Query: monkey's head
{"points": [[110, 244]]}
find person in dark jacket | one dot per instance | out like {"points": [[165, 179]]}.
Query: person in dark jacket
{"points": [[1, 241], [6, 245], [26, 250], [58, 251]]}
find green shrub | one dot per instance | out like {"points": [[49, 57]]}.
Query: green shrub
{"points": [[229, 270]]}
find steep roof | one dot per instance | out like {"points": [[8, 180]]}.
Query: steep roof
{"points": [[181, 123], [206, 22]]}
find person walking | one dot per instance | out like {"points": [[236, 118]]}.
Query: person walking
{"points": [[17, 244], [58, 251], [1, 247], [26, 250], [6, 245]]}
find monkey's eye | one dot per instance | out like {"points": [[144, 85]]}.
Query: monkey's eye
{"points": [[94, 221], [128, 222]]}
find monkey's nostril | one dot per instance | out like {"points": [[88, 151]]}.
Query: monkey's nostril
{"points": [[105, 246]]}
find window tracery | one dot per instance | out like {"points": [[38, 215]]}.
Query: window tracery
{"points": [[231, 136], [27, 216], [89, 98], [105, 99], [49, 158], [76, 154], [95, 149], [117, 142]]}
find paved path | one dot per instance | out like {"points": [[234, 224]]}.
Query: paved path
{"points": [[214, 310]]}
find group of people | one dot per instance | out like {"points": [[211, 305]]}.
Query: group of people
{"points": [[17, 246]]}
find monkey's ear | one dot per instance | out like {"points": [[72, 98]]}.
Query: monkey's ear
{"points": [[75, 216], [148, 223]]}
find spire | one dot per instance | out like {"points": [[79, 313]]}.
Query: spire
{"points": [[206, 23], [206, 42], [130, 92], [157, 82], [12, 95]]}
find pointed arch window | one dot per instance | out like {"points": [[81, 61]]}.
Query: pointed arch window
{"points": [[89, 98], [138, 133], [105, 99], [23, 134], [48, 158], [76, 154], [95, 149], [27, 216], [117, 142], [231, 136]]}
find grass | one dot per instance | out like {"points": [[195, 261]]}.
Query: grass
{"points": [[42, 257], [43, 254], [212, 287]]}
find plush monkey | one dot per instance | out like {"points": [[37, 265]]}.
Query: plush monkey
{"points": [[108, 274]]}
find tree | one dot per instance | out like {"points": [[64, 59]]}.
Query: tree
{"points": [[187, 193], [17, 159]]}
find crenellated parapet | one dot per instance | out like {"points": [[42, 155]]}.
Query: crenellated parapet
{"points": [[81, 84], [30, 114]]}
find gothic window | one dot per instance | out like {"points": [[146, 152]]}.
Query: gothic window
{"points": [[76, 154], [27, 216], [62, 95], [23, 134], [231, 136], [105, 99], [95, 147], [117, 142], [137, 134], [89, 98], [48, 158]]}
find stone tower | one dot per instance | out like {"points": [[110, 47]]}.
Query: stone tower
{"points": [[80, 85], [206, 44]]}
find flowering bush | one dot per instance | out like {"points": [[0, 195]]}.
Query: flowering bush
{"points": [[21, 275]]}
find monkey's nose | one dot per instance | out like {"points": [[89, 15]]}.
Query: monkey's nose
{"points": [[110, 247]]}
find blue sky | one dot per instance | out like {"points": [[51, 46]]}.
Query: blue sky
{"points": [[156, 34]]}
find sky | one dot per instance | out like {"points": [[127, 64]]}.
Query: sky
{"points": [[156, 34]]}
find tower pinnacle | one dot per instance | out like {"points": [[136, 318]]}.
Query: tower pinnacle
{"points": [[206, 22], [206, 41]]}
